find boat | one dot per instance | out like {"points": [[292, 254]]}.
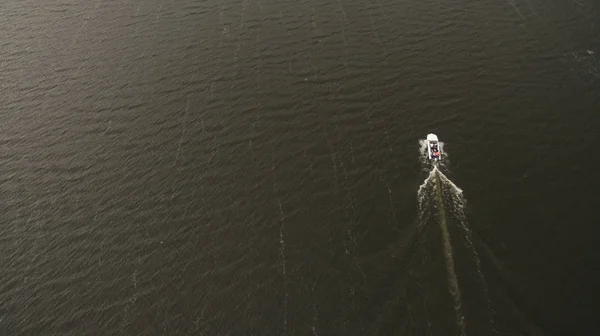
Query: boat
{"points": [[433, 148]]}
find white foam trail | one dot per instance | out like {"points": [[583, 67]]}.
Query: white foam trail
{"points": [[423, 155], [429, 191], [450, 265], [446, 181], [448, 191], [335, 169], [514, 6], [533, 10], [315, 325], [283, 270], [458, 203], [423, 198], [281, 248]]}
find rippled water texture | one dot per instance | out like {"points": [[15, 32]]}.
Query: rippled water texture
{"points": [[252, 167]]}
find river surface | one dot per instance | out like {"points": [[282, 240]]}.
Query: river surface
{"points": [[251, 167]]}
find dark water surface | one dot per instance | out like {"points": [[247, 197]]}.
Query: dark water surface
{"points": [[251, 167]]}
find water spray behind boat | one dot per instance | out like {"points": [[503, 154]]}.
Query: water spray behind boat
{"points": [[438, 192]]}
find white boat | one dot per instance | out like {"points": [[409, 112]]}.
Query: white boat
{"points": [[433, 148]]}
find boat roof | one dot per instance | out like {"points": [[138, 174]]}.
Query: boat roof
{"points": [[432, 137]]}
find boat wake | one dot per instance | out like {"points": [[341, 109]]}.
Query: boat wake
{"points": [[438, 194], [430, 195]]}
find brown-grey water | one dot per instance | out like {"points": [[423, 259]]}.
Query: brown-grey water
{"points": [[251, 167]]}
